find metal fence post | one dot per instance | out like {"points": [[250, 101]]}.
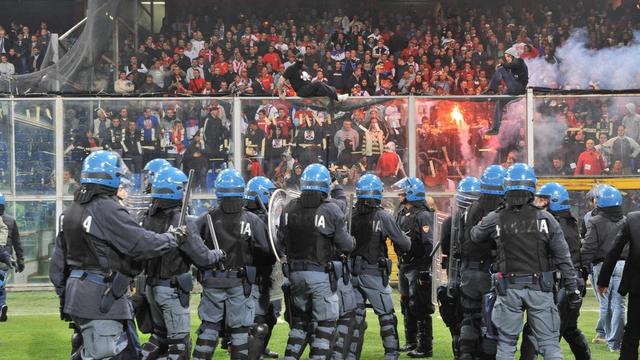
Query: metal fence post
{"points": [[236, 129], [411, 127], [59, 156], [530, 137]]}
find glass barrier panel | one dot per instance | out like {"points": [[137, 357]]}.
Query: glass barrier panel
{"points": [[36, 222], [34, 145], [452, 140], [360, 135], [6, 146], [586, 135], [190, 133]]}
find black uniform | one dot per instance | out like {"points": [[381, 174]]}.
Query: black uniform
{"points": [[229, 296], [530, 246], [568, 317], [98, 249], [415, 277], [628, 237], [301, 82], [476, 259], [169, 283], [312, 231], [371, 266]]}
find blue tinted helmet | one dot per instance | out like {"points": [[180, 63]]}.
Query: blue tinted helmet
{"points": [[102, 168], [169, 183], [259, 186], [316, 177], [412, 188], [557, 194], [369, 187], [520, 177], [152, 168], [229, 183], [468, 191], [608, 196], [492, 180], [2, 199]]}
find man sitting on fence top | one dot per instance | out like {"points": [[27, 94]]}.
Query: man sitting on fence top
{"points": [[515, 75]]}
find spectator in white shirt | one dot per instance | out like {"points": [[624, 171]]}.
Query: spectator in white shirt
{"points": [[6, 68], [191, 52]]}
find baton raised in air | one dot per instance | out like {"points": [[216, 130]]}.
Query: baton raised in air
{"points": [[186, 198], [214, 238]]}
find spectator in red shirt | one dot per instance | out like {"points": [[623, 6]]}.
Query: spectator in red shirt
{"points": [[272, 57], [389, 164], [590, 162], [197, 84]]}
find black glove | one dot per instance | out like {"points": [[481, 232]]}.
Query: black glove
{"points": [[20, 265], [574, 300], [14, 264], [220, 255], [180, 234]]}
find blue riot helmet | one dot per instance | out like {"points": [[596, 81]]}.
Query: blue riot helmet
{"points": [[557, 194], [369, 187], [229, 183], [608, 196], [152, 168], [316, 177], [520, 177], [169, 183], [2, 199], [492, 180], [102, 167], [468, 191], [412, 189], [261, 187]]}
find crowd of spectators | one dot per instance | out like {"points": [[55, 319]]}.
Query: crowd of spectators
{"points": [[359, 49], [22, 48], [602, 136]]}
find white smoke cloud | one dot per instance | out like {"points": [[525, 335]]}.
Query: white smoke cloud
{"points": [[614, 68]]}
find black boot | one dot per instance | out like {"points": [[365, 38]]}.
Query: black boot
{"points": [[410, 327], [425, 340], [3, 313]]}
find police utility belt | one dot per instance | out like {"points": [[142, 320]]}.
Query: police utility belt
{"points": [[117, 285], [183, 283], [338, 269], [360, 266], [544, 281], [245, 276]]}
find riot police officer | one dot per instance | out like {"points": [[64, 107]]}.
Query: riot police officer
{"points": [[312, 230], [449, 298], [598, 241], [229, 290], [169, 280], [150, 170], [476, 259], [256, 196], [371, 226], [415, 219], [96, 256], [554, 198], [10, 243], [530, 247]]}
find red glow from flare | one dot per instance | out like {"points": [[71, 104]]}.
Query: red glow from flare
{"points": [[456, 115]]}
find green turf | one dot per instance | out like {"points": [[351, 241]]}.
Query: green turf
{"points": [[35, 332]]}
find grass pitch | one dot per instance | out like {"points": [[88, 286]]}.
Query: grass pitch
{"points": [[34, 331]]}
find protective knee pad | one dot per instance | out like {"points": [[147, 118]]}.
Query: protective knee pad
{"points": [[153, 349], [179, 349], [258, 340], [389, 333], [323, 340], [345, 328], [240, 343], [297, 341], [207, 341]]}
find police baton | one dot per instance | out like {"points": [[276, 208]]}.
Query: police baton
{"points": [[214, 238], [186, 198], [435, 249]]}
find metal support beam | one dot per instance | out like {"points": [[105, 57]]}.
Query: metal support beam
{"points": [[411, 128], [136, 18], [530, 135], [236, 131], [59, 156], [116, 49]]}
